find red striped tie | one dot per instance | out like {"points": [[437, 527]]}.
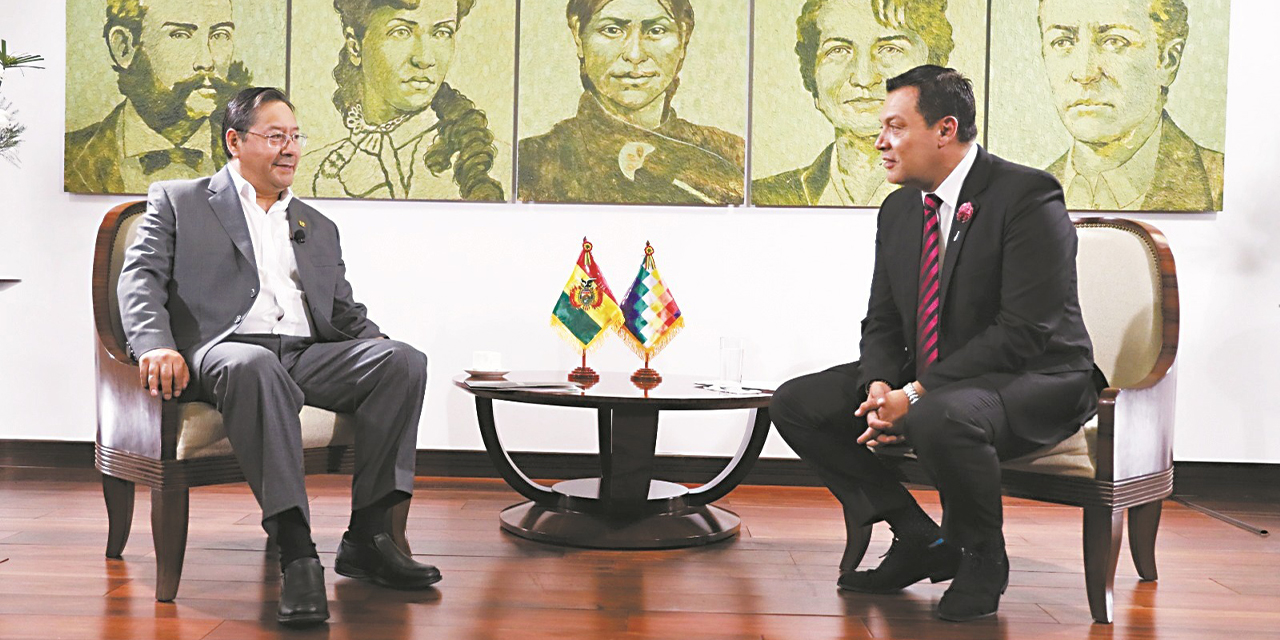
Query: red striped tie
{"points": [[928, 315]]}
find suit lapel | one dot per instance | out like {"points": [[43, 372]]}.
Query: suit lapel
{"points": [[226, 205], [816, 176], [1180, 181], [974, 184], [908, 256], [298, 219]]}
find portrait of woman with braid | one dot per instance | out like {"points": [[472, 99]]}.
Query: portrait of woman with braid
{"points": [[410, 134], [626, 144]]}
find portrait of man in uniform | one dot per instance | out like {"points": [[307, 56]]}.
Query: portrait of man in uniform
{"points": [[409, 134], [175, 67], [626, 144], [1110, 65], [846, 50]]}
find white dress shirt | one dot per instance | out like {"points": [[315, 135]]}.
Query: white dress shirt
{"points": [[949, 193], [278, 306]]}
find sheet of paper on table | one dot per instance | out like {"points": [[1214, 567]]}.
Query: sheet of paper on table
{"points": [[746, 386], [502, 385]]}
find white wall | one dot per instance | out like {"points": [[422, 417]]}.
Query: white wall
{"points": [[456, 278]]}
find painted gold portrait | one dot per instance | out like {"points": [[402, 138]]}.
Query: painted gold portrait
{"points": [[660, 108]]}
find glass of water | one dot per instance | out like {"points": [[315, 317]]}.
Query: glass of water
{"points": [[731, 352]]}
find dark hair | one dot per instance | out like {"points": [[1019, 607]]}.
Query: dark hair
{"points": [[943, 92], [355, 16], [583, 10], [924, 18], [1170, 18], [463, 130], [124, 13], [242, 110]]}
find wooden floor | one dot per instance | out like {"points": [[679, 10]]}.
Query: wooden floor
{"points": [[776, 581]]}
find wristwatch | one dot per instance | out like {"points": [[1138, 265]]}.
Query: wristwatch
{"points": [[910, 390]]}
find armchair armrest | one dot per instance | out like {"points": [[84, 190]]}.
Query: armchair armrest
{"points": [[129, 418], [1135, 429]]}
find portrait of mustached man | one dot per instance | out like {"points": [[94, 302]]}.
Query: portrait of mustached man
{"points": [[176, 67], [409, 134], [626, 144]]}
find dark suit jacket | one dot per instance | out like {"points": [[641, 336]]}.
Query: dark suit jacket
{"points": [[190, 276], [795, 188], [1188, 176], [1010, 311], [91, 157], [577, 161]]}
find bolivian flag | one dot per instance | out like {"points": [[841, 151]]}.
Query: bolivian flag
{"points": [[650, 317], [586, 307]]}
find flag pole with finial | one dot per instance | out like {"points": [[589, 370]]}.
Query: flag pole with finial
{"points": [[585, 311], [650, 319]]}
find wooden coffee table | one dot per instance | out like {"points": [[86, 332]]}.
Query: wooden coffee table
{"points": [[624, 508]]}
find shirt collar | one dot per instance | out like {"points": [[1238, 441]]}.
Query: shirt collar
{"points": [[949, 190], [247, 192], [138, 138], [1127, 182], [834, 192], [401, 130]]}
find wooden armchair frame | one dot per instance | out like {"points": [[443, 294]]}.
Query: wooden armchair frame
{"points": [[1134, 454], [137, 435]]}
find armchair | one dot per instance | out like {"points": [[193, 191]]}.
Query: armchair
{"points": [[1121, 460], [167, 445]]}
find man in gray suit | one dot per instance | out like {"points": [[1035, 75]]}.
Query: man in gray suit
{"points": [[236, 289]]}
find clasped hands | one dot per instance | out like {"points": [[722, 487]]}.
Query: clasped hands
{"points": [[884, 409]]}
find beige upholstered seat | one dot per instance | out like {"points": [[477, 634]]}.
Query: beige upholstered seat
{"points": [[1076, 456], [202, 434], [200, 431], [1122, 459], [1120, 287], [171, 446]]}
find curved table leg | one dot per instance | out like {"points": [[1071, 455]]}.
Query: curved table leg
{"points": [[738, 468], [502, 462], [625, 508]]}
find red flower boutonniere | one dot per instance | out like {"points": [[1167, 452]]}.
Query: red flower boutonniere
{"points": [[965, 212]]}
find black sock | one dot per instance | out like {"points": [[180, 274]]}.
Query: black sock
{"points": [[293, 536], [369, 521], [912, 523]]}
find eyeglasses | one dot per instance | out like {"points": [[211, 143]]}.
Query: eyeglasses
{"points": [[277, 140]]}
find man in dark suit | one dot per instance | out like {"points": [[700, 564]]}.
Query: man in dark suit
{"points": [[238, 289], [973, 348]]}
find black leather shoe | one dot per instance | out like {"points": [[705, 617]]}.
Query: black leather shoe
{"points": [[906, 563], [302, 595], [382, 562], [975, 592]]}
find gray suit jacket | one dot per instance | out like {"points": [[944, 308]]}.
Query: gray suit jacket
{"points": [[190, 277]]}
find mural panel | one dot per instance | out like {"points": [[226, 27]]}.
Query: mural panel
{"points": [[1124, 101], [633, 101], [147, 82], [819, 83], [405, 100]]}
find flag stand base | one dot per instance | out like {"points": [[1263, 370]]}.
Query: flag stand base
{"points": [[646, 378], [584, 375]]}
